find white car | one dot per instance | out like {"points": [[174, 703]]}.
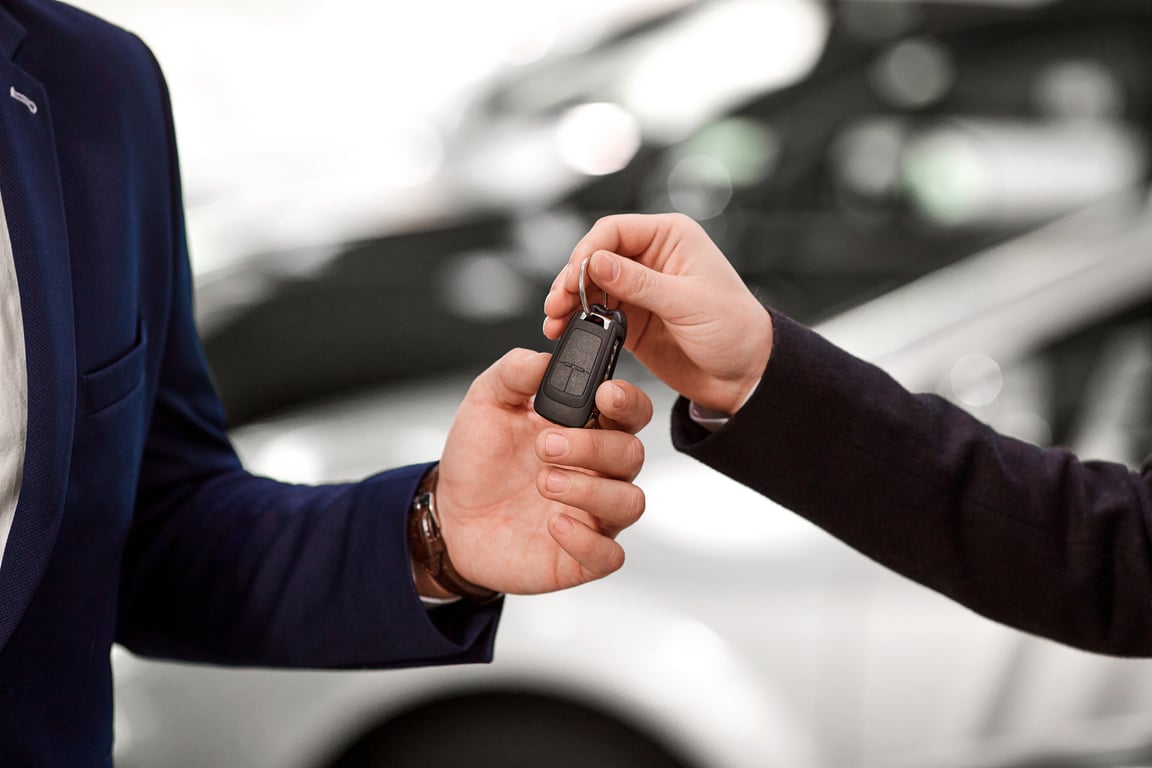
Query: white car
{"points": [[736, 635]]}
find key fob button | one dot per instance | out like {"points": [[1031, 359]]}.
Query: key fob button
{"points": [[578, 383], [584, 357]]}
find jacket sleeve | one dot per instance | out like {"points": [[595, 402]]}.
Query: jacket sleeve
{"points": [[1036, 539], [221, 566]]}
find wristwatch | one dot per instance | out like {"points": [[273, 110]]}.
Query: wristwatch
{"points": [[429, 550]]}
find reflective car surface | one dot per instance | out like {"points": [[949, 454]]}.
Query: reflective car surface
{"points": [[736, 634]]}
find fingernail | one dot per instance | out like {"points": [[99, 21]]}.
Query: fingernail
{"points": [[606, 266], [619, 397], [562, 524], [558, 481], [555, 444]]}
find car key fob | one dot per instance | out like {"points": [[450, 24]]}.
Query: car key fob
{"points": [[584, 358]]}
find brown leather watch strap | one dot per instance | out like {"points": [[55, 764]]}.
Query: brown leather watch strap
{"points": [[429, 550]]}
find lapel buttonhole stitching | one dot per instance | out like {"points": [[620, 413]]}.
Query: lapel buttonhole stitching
{"points": [[22, 99]]}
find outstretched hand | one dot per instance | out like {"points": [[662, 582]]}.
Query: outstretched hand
{"points": [[691, 319], [526, 506]]}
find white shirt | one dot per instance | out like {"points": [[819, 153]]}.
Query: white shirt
{"points": [[713, 420], [13, 387]]}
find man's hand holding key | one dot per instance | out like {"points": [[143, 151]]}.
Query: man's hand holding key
{"points": [[525, 506], [692, 321]]}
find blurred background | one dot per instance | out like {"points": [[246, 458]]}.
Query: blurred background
{"points": [[378, 196]]}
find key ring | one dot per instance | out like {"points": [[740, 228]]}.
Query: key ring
{"points": [[583, 295]]}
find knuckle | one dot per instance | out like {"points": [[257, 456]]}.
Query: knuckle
{"points": [[635, 454], [480, 385], [618, 453], [638, 448], [599, 446], [606, 455], [615, 558], [610, 559], [517, 357], [606, 222], [639, 282], [636, 505]]}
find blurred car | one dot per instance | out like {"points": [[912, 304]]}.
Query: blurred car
{"points": [[834, 151], [898, 143], [737, 635]]}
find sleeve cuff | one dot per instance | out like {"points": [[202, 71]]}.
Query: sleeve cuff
{"points": [[713, 420]]}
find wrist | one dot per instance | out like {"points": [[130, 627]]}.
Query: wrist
{"points": [[761, 345], [744, 394], [436, 576], [427, 587]]}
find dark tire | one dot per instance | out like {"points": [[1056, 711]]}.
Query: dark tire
{"points": [[507, 730]]}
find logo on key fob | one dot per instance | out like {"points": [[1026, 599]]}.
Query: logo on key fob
{"points": [[584, 358]]}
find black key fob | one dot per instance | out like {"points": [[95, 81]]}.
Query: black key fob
{"points": [[584, 358]]}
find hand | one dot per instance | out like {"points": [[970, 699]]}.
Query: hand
{"points": [[526, 506], [691, 319]]}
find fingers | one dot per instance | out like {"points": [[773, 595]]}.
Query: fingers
{"points": [[615, 504], [630, 234], [626, 282], [593, 469], [654, 262], [607, 452], [623, 406], [597, 554], [514, 378], [629, 281], [607, 493]]}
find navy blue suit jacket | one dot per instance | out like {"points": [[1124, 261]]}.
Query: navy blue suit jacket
{"points": [[136, 522], [1036, 539]]}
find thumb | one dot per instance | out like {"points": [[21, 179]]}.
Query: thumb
{"points": [[632, 282], [513, 379]]}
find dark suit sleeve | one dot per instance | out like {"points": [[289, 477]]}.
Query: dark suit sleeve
{"points": [[1033, 538], [221, 566]]}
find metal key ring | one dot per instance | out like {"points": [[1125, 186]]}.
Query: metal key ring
{"points": [[583, 295]]}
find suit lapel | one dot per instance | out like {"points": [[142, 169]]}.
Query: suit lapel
{"points": [[33, 205]]}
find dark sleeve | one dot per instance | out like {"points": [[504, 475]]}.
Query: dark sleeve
{"points": [[1033, 538], [221, 566]]}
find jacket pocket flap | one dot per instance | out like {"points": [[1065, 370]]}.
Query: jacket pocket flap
{"points": [[108, 385]]}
